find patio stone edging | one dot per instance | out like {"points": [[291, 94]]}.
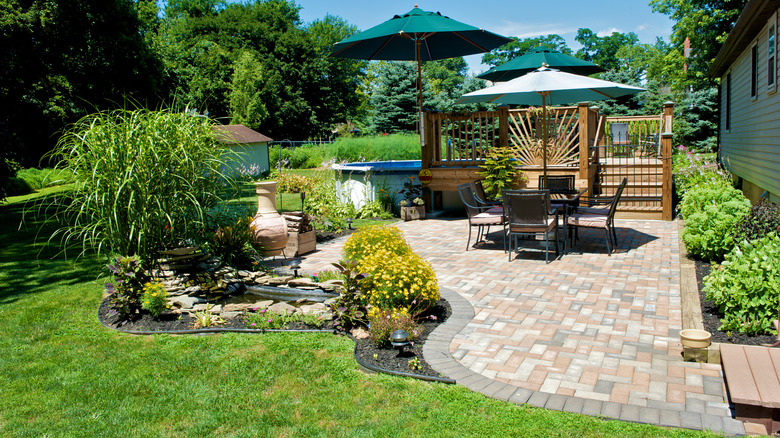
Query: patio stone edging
{"points": [[437, 353]]}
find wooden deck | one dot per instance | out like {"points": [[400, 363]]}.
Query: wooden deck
{"points": [[753, 381]]}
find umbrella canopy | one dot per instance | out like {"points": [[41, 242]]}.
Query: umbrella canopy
{"points": [[549, 87], [418, 36], [536, 58]]}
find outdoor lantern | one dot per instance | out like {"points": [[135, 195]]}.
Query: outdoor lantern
{"points": [[399, 340], [303, 198], [349, 223], [294, 266]]}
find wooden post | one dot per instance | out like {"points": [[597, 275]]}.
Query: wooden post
{"points": [[666, 147], [584, 129], [503, 126], [426, 155], [668, 116]]}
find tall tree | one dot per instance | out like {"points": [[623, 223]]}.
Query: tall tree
{"points": [[520, 46], [63, 58], [603, 50], [394, 96], [707, 24]]}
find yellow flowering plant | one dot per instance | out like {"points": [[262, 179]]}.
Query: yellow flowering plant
{"points": [[399, 281], [155, 299], [369, 240]]}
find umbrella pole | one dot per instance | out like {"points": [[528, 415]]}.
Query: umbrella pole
{"points": [[419, 83], [544, 137]]}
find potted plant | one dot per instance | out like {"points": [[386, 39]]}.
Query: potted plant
{"points": [[412, 205]]}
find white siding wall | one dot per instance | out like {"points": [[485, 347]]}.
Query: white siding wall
{"points": [[751, 148], [248, 155]]}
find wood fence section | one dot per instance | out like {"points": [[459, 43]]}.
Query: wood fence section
{"points": [[579, 144]]}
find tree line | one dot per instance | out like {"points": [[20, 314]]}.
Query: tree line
{"points": [[257, 63]]}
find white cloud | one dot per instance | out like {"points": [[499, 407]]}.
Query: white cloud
{"points": [[608, 32], [642, 27], [530, 30]]}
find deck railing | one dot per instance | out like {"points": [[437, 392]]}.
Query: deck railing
{"points": [[580, 142]]}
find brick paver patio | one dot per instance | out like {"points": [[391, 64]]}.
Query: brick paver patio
{"points": [[587, 333]]}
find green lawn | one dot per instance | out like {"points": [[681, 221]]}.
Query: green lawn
{"points": [[64, 374]]}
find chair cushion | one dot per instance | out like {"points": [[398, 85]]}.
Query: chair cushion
{"points": [[495, 210], [593, 210], [588, 220], [488, 218], [551, 224]]}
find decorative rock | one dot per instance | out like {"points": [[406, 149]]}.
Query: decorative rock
{"points": [[313, 309], [329, 302], [331, 284], [360, 333], [301, 282], [186, 301], [278, 281], [244, 274], [217, 308], [238, 307], [282, 307], [226, 315], [263, 304]]}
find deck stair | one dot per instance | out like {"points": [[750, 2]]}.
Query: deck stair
{"points": [[753, 382]]}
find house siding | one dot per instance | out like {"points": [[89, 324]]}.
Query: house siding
{"points": [[750, 149]]}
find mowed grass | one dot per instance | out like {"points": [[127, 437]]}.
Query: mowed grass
{"points": [[63, 374]]}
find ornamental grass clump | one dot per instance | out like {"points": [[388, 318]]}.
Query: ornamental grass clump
{"points": [[711, 213], [142, 180], [369, 240], [746, 287]]}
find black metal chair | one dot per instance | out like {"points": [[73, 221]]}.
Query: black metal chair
{"points": [[480, 216], [557, 183], [598, 219], [529, 212], [479, 192]]}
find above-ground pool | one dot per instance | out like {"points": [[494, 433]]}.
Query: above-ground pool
{"points": [[359, 183]]}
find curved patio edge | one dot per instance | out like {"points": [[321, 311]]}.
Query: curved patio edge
{"points": [[437, 353]]}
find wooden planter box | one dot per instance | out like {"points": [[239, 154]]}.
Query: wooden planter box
{"points": [[300, 244], [413, 213]]}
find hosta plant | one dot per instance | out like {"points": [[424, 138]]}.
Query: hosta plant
{"points": [[746, 286], [711, 213]]}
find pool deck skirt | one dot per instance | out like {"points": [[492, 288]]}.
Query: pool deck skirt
{"points": [[587, 333]]}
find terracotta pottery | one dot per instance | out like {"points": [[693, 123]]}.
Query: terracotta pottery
{"points": [[411, 213], [270, 228], [694, 338]]}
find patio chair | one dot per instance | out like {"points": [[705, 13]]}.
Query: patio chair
{"points": [[482, 199], [600, 220], [480, 216], [529, 212], [557, 183], [619, 133]]}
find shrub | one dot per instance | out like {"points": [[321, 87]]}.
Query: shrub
{"points": [[746, 287], [292, 182], [368, 240], [142, 180], [41, 178], [399, 281], [383, 322], [374, 209], [696, 170], [711, 213], [125, 292], [499, 172], [233, 244], [763, 219], [349, 309], [155, 299]]}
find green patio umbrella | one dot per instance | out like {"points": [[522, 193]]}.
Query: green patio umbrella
{"points": [[418, 36], [549, 87], [536, 58]]}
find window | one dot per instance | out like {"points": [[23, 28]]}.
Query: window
{"points": [[728, 101], [771, 49], [753, 71]]}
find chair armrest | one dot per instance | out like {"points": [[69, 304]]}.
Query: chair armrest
{"points": [[591, 201]]}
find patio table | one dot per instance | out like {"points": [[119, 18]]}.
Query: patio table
{"points": [[566, 200]]}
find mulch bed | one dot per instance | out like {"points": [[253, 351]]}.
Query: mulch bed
{"points": [[712, 316], [368, 352]]}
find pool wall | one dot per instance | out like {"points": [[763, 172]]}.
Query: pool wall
{"points": [[359, 183]]}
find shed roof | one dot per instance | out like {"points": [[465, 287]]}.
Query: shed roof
{"points": [[238, 134], [750, 22]]}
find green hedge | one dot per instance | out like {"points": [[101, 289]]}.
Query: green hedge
{"points": [[711, 212]]}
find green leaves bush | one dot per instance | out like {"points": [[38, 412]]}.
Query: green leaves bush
{"points": [[746, 287], [142, 180], [711, 213], [763, 219], [499, 172]]}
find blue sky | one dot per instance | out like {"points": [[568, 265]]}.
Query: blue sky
{"points": [[518, 18]]}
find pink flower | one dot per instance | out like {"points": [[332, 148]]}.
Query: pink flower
{"points": [[253, 324]]}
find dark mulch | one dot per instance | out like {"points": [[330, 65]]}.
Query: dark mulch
{"points": [[712, 316], [389, 359], [386, 358]]}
